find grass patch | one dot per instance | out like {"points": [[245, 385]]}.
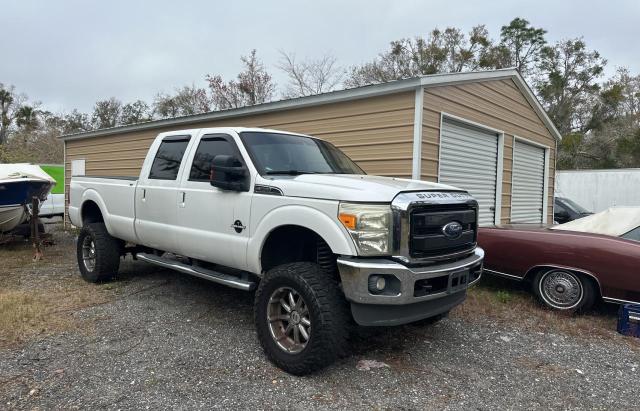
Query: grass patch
{"points": [[27, 314], [39, 298], [503, 296], [24, 315], [507, 303]]}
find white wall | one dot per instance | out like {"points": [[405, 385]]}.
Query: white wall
{"points": [[597, 190]]}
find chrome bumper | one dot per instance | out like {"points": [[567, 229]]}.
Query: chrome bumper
{"points": [[355, 273]]}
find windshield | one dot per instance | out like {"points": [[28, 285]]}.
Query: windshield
{"points": [[573, 206], [274, 153]]}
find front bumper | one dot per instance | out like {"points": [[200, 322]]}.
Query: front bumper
{"points": [[422, 286]]}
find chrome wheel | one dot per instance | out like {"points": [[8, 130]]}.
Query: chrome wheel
{"points": [[561, 289], [89, 253], [288, 320]]}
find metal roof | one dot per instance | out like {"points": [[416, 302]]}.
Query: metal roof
{"points": [[372, 90]]}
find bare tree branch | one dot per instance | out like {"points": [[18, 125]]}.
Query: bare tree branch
{"points": [[310, 76]]}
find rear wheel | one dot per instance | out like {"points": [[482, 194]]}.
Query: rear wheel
{"points": [[301, 317], [564, 290], [98, 253]]}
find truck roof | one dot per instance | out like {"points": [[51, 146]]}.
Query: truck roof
{"points": [[227, 129]]}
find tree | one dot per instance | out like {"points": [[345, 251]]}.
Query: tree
{"points": [[629, 87], [192, 100], [10, 103], [35, 142], [567, 82], [610, 135], [628, 149], [442, 51], [254, 81], [253, 86], [27, 117], [186, 101], [106, 113], [522, 43], [75, 122], [310, 76], [136, 112]]}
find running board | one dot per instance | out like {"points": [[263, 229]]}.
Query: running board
{"points": [[215, 276]]}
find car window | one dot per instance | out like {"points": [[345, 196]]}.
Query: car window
{"points": [[166, 164], [208, 148], [633, 234], [577, 208], [558, 208]]}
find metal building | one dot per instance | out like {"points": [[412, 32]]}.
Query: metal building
{"points": [[482, 131], [597, 190]]}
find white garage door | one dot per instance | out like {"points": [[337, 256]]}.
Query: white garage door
{"points": [[469, 160], [528, 183]]}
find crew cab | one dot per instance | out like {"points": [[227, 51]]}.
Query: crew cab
{"points": [[293, 218]]}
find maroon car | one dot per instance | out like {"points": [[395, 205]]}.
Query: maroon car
{"points": [[571, 265]]}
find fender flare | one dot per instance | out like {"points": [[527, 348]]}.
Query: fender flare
{"points": [[310, 218], [92, 195]]}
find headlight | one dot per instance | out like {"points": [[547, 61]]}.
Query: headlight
{"points": [[369, 226]]}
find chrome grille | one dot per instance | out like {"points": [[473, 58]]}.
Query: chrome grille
{"points": [[427, 238]]}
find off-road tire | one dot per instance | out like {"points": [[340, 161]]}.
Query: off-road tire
{"points": [[587, 297], [328, 312], [107, 253]]}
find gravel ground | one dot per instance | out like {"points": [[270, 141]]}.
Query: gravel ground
{"points": [[171, 341]]}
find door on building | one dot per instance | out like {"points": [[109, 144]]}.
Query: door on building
{"points": [[527, 200], [469, 160]]}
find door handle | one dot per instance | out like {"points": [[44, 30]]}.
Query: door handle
{"points": [[184, 196], [144, 194]]}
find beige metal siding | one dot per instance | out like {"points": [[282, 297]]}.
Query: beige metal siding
{"points": [[497, 104], [376, 132]]}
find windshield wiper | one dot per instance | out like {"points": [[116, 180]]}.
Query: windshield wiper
{"points": [[290, 172]]}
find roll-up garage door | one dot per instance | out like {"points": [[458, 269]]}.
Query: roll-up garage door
{"points": [[528, 183], [469, 160]]}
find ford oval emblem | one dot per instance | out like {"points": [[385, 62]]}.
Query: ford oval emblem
{"points": [[452, 230]]}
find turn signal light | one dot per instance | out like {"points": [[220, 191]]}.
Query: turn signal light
{"points": [[348, 220]]}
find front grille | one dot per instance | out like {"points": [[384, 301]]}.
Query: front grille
{"points": [[427, 239]]}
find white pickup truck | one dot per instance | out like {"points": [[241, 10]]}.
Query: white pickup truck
{"points": [[292, 216]]}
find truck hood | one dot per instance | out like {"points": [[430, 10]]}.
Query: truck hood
{"points": [[349, 187]]}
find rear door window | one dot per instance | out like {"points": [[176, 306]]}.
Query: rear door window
{"points": [[166, 164], [209, 147]]}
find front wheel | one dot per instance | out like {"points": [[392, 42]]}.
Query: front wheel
{"points": [[98, 253], [564, 290], [301, 317]]}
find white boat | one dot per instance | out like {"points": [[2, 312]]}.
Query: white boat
{"points": [[19, 183]]}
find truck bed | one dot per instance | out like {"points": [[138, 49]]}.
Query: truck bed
{"points": [[115, 196]]}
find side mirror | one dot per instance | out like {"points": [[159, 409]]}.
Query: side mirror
{"points": [[228, 173]]}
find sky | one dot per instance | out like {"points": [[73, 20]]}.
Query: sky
{"points": [[69, 53]]}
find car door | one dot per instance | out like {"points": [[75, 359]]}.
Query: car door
{"points": [[157, 192], [212, 221]]}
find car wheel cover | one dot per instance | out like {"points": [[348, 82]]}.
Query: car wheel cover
{"points": [[288, 320], [89, 253], [561, 289]]}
